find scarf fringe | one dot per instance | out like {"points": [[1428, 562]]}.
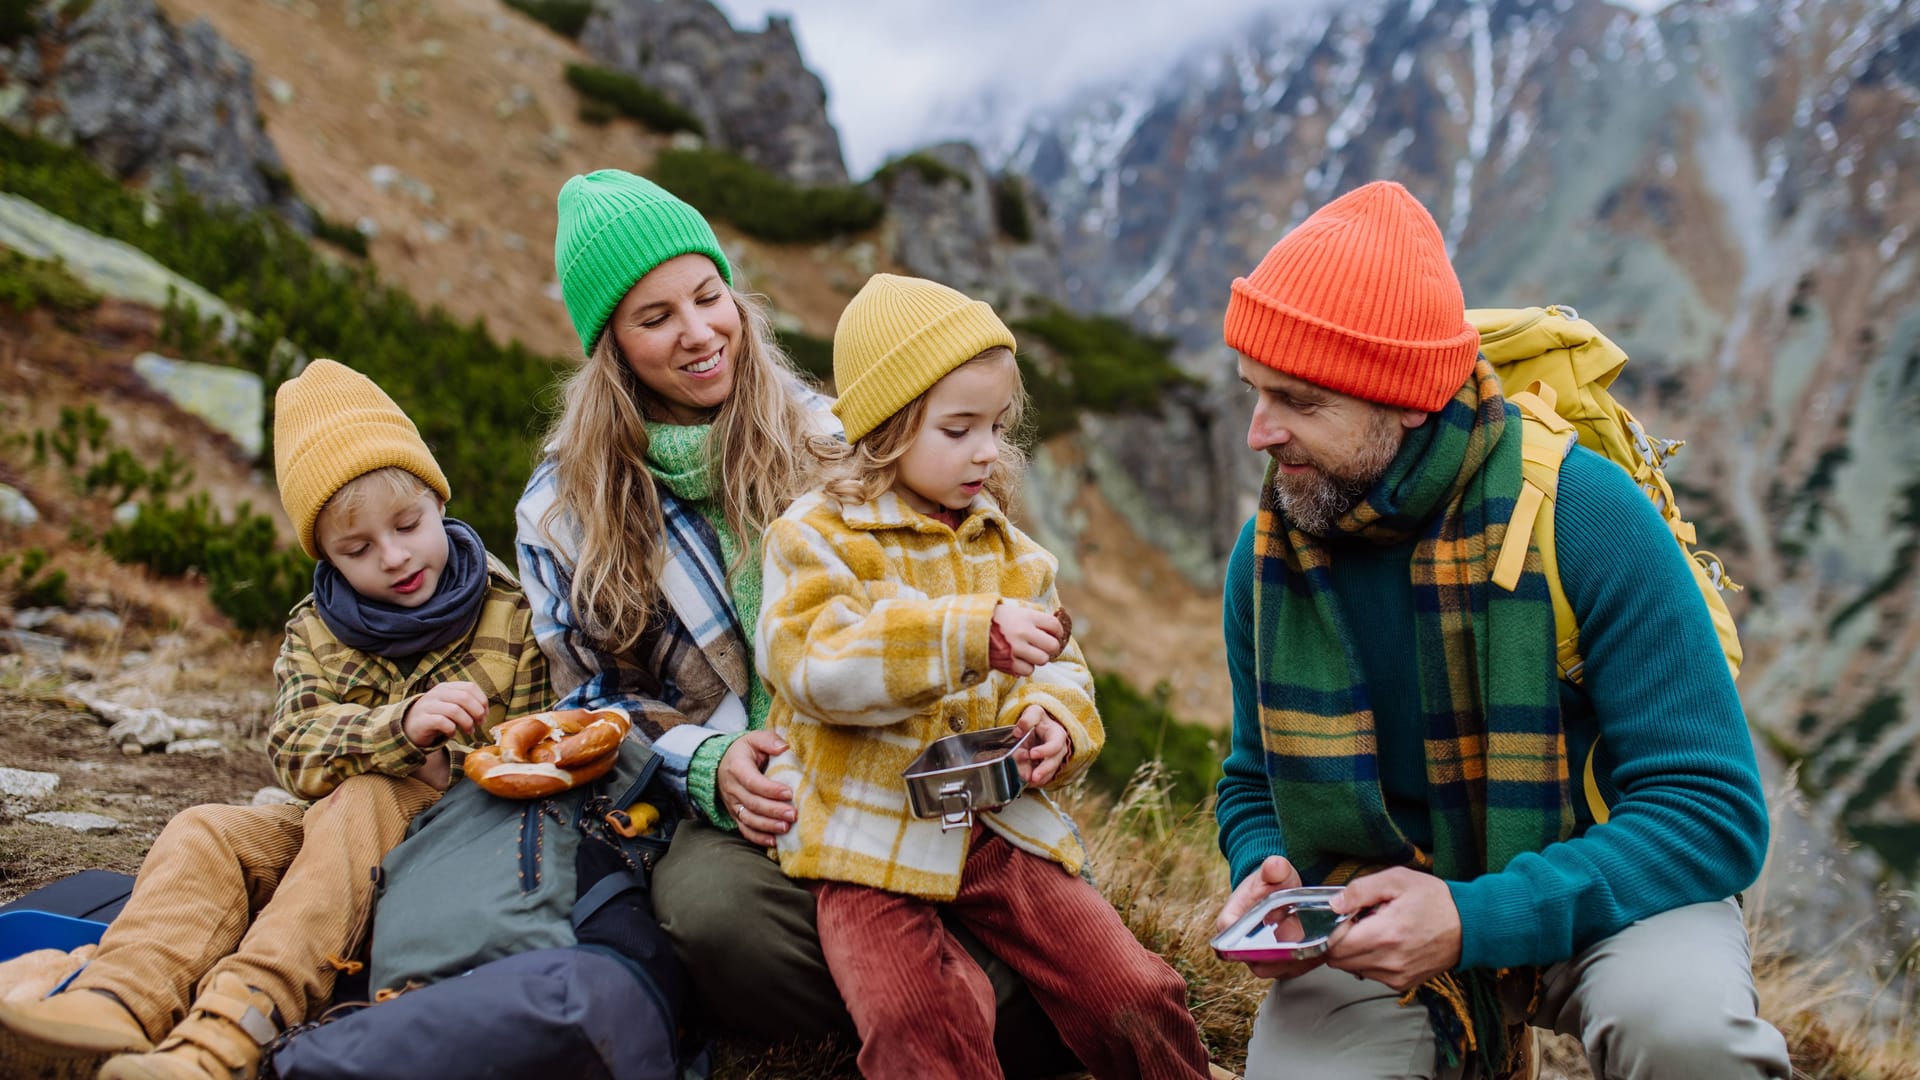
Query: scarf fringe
{"points": [[1469, 1025]]}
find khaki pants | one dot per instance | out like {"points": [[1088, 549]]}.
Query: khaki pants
{"points": [[1669, 997], [746, 933], [271, 893]]}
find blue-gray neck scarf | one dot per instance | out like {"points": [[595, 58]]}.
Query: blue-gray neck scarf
{"points": [[391, 630]]}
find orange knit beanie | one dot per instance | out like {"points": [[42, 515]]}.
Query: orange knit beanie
{"points": [[1360, 299]]}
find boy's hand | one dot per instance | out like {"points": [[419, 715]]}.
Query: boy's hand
{"points": [[1032, 638], [1040, 760], [440, 713], [438, 769]]}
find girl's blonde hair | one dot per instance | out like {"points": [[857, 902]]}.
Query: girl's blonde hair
{"points": [[858, 473], [599, 453]]}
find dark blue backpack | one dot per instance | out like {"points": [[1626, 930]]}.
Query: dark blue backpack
{"points": [[514, 939]]}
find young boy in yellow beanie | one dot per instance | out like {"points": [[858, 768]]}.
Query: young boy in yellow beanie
{"points": [[900, 606], [242, 916]]}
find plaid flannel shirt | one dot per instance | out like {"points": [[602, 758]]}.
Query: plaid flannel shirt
{"points": [[340, 709], [873, 635], [685, 681]]}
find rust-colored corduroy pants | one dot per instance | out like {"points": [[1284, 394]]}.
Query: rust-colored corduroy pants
{"points": [[924, 1009], [270, 893]]}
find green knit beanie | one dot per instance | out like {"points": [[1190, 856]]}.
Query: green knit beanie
{"points": [[614, 227]]}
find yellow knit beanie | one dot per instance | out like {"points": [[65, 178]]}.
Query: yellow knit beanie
{"points": [[899, 336], [332, 425]]}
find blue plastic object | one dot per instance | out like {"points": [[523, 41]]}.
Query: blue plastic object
{"points": [[25, 931]]}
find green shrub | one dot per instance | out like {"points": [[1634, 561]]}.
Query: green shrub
{"points": [[1141, 729], [1010, 209], [1101, 365], [345, 237], [120, 476], [810, 354], [564, 17], [629, 96], [17, 20], [760, 203], [250, 578], [31, 589], [931, 169], [26, 284], [473, 398], [78, 429]]}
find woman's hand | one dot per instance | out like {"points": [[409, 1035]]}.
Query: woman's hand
{"points": [[1041, 760], [763, 808]]}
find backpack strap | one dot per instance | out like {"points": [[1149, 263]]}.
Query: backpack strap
{"points": [[1546, 439]]}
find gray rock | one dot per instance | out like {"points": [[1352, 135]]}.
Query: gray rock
{"points": [[105, 266], [273, 796], [156, 104], [35, 618], [946, 228], [144, 728], [228, 399], [15, 509], [126, 513], [195, 746], [81, 823], [35, 648], [21, 784], [750, 89]]}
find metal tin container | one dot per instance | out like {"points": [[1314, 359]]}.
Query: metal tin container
{"points": [[957, 775], [1292, 924]]}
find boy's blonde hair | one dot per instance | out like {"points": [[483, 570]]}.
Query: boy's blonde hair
{"points": [[851, 474], [386, 482], [599, 443]]}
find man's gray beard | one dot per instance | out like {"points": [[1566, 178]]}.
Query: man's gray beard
{"points": [[1313, 501]]}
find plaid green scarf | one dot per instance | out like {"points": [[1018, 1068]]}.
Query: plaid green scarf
{"points": [[677, 458], [1496, 756]]}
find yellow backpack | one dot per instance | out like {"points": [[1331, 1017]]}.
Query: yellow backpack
{"points": [[1556, 367]]}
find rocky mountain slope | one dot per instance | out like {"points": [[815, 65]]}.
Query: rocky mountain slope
{"points": [[1727, 188]]}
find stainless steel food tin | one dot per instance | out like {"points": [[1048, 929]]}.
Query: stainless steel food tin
{"points": [[957, 775], [1307, 914]]}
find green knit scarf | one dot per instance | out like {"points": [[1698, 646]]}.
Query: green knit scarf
{"points": [[1495, 752], [677, 458]]}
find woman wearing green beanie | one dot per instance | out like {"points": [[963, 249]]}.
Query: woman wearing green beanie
{"points": [[679, 439]]}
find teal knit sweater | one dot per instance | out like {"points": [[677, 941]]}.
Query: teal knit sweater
{"points": [[1688, 820]]}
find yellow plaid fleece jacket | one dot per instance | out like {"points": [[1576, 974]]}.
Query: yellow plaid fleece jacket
{"points": [[340, 708], [873, 638]]}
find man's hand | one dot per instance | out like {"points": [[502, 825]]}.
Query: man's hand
{"points": [[449, 708], [1273, 875], [1040, 761], [1411, 935]]}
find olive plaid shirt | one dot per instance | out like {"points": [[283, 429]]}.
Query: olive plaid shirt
{"points": [[340, 708]]}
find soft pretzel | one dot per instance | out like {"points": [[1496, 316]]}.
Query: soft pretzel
{"points": [[542, 753]]}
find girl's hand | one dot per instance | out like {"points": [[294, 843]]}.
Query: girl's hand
{"points": [[763, 808], [1040, 760], [1033, 637]]}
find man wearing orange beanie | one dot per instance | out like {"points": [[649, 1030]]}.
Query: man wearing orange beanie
{"points": [[1400, 728]]}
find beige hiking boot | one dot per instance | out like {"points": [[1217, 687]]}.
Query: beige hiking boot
{"points": [[66, 1036], [219, 1040]]}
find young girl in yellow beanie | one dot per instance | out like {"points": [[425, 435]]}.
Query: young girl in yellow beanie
{"points": [[899, 606], [242, 916]]}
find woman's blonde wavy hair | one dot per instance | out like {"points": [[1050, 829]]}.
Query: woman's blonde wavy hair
{"points": [[854, 474], [599, 443]]}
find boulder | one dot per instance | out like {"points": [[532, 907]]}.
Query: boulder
{"points": [[143, 728], [21, 784], [108, 267], [750, 90], [15, 509], [81, 823], [228, 399]]}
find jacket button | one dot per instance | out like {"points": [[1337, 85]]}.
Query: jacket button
{"points": [[957, 722], [970, 676]]}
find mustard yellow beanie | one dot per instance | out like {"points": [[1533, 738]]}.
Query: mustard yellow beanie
{"points": [[332, 425], [899, 336]]}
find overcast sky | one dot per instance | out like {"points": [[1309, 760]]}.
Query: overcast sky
{"points": [[897, 70]]}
